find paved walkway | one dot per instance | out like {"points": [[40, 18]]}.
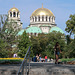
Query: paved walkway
{"points": [[40, 68]]}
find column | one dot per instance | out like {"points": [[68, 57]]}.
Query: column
{"points": [[16, 14], [51, 19], [12, 14], [37, 18], [48, 18], [9, 14], [44, 18], [40, 18], [19, 15]]}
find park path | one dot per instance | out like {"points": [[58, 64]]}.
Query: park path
{"points": [[40, 68]]}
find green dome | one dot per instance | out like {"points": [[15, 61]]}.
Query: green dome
{"points": [[56, 29], [20, 32], [33, 30]]}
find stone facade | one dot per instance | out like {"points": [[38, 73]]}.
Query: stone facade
{"points": [[14, 17]]}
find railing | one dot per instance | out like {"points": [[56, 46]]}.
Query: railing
{"points": [[24, 68]]}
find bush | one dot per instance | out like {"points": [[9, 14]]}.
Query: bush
{"points": [[11, 60]]}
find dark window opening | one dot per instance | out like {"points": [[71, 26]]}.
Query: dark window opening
{"points": [[10, 14], [17, 14], [31, 34], [14, 14], [39, 18], [35, 19], [46, 18], [35, 34], [42, 18]]}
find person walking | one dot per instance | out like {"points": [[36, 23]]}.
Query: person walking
{"points": [[57, 52], [45, 58], [40, 57]]}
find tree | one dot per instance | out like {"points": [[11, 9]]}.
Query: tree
{"points": [[3, 49], [3, 19], [70, 25], [24, 44], [8, 33], [45, 43]]}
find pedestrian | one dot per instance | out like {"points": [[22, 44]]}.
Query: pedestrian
{"points": [[57, 52], [37, 57], [45, 58], [40, 57]]}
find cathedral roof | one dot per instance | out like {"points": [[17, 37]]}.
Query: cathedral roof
{"points": [[55, 28], [14, 9], [33, 30], [42, 11]]}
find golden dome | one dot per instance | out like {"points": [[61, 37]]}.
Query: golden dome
{"points": [[42, 11], [13, 9]]}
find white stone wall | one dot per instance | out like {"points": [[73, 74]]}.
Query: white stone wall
{"points": [[45, 29]]}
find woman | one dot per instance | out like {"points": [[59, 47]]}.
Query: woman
{"points": [[57, 52]]}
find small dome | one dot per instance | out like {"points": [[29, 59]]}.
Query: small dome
{"points": [[42, 11], [14, 9], [56, 29], [33, 30]]}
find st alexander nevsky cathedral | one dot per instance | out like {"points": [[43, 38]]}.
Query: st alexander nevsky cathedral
{"points": [[42, 20]]}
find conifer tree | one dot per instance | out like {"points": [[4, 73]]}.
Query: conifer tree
{"points": [[23, 45]]}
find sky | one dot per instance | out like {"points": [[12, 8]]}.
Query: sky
{"points": [[60, 8]]}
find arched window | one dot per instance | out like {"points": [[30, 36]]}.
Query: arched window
{"points": [[10, 14], [14, 14], [49, 19], [35, 19], [34, 34], [31, 34], [42, 18], [46, 18], [17, 14], [39, 18]]}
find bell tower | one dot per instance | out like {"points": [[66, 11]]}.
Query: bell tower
{"points": [[14, 16]]}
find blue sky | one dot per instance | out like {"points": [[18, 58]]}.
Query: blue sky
{"points": [[60, 8]]}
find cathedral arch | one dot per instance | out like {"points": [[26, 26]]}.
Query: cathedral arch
{"points": [[35, 19], [46, 18], [10, 14], [14, 14], [39, 18], [42, 18]]}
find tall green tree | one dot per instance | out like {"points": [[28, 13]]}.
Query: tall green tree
{"points": [[24, 44], [8, 33], [70, 25], [3, 49]]}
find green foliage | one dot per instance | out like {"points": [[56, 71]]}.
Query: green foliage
{"points": [[66, 60], [23, 45], [44, 43], [71, 49], [70, 25], [8, 34], [9, 61], [3, 49]]}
